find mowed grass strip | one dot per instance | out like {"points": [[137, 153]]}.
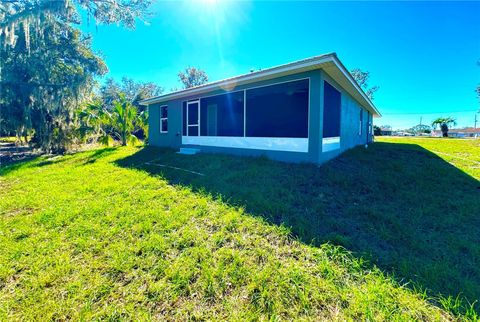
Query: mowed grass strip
{"points": [[462, 153], [97, 235]]}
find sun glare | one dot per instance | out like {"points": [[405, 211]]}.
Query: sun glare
{"points": [[210, 3], [214, 8]]}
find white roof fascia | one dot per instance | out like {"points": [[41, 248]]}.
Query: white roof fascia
{"points": [[249, 78]]}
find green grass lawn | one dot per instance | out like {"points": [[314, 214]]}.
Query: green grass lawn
{"points": [[133, 233]]}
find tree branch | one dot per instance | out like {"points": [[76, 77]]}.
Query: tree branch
{"points": [[28, 12], [33, 84]]}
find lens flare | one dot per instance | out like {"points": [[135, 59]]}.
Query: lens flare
{"points": [[209, 3]]}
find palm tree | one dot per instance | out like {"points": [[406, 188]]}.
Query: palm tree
{"points": [[99, 123], [444, 122], [123, 119], [92, 118]]}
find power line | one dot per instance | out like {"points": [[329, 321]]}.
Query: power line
{"points": [[420, 113]]}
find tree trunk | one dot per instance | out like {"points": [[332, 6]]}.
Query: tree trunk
{"points": [[124, 132], [444, 128], [124, 137]]}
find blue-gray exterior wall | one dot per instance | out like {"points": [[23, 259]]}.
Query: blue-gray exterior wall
{"points": [[349, 123]]}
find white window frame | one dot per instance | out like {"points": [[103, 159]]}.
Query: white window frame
{"points": [[360, 128], [163, 119], [198, 114], [370, 127]]}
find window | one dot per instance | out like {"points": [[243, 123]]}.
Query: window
{"points": [[331, 111], [163, 119], [360, 122], [222, 115], [279, 110]]}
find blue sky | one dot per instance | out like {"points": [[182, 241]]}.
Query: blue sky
{"points": [[423, 55]]}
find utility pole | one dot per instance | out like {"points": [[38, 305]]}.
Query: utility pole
{"points": [[475, 126]]}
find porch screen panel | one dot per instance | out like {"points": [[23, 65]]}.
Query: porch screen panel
{"points": [[192, 114], [203, 117], [331, 111], [184, 118], [222, 115], [279, 110]]}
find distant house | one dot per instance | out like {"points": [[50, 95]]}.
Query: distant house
{"points": [[468, 132], [385, 131], [306, 111], [402, 133]]}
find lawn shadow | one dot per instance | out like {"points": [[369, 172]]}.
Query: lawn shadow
{"points": [[98, 154], [39, 160], [11, 154], [404, 208]]}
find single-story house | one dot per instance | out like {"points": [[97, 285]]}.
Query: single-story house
{"points": [[386, 131], [306, 111], [468, 132]]}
